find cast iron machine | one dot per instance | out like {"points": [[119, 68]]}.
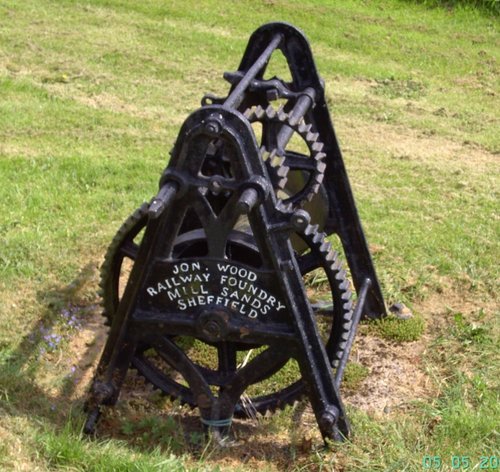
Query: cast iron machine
{"points": [[208, 287]]}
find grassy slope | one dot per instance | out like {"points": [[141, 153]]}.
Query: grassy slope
{"points": [[92, 97]]}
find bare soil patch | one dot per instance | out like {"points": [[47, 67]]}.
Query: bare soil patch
{"points": [[396, 375], [85, 349], [405, 142]]}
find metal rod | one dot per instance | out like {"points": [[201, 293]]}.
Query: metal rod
{"points": [[236, 96], [304, 102], [163, 199], [247, 201], [356, 316]]}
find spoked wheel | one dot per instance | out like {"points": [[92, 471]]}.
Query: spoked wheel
{"points": [[217, 361]]}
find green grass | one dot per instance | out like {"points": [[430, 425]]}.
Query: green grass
{"points": [[400, 330], [68, 450], [92, 96], [354, 374]]}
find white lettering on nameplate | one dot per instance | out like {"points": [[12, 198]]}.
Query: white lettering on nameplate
{"points": [[195, 284]]}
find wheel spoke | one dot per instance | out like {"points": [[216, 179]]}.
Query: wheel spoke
{"points": [[296, 162], [227, 357], [308, 262], [130, 249]]}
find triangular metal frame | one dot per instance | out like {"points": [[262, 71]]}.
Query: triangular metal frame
{"points": [[183, 186]]}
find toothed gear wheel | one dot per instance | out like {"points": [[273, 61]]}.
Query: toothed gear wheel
{"points": [[122, 248], [273, 392], [283, 164]]}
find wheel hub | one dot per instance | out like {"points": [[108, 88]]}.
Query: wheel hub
{"points": [[213, 325], [214, 356]]}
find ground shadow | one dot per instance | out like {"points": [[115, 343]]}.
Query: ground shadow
{"points": [[67, 312], [66, 343]]}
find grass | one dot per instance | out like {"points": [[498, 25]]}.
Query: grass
{"points": [[354, 375], [400, 330], [68, 450], [92, 97]]}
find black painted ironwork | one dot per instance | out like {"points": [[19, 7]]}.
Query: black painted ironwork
{"points": [[205, 287]]}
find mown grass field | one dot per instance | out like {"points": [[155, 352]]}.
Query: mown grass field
{"points": [[92, 95]]}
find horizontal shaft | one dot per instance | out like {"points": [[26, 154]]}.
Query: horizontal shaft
{"points": [[302, 106]]}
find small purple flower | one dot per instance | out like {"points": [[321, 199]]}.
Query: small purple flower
{"points": [[71, 373]]}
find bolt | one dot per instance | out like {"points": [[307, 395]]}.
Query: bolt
{"points": [[215, 186], [213, 127], [300, 219], [328, 419], [212, 328], [212, 325]]}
